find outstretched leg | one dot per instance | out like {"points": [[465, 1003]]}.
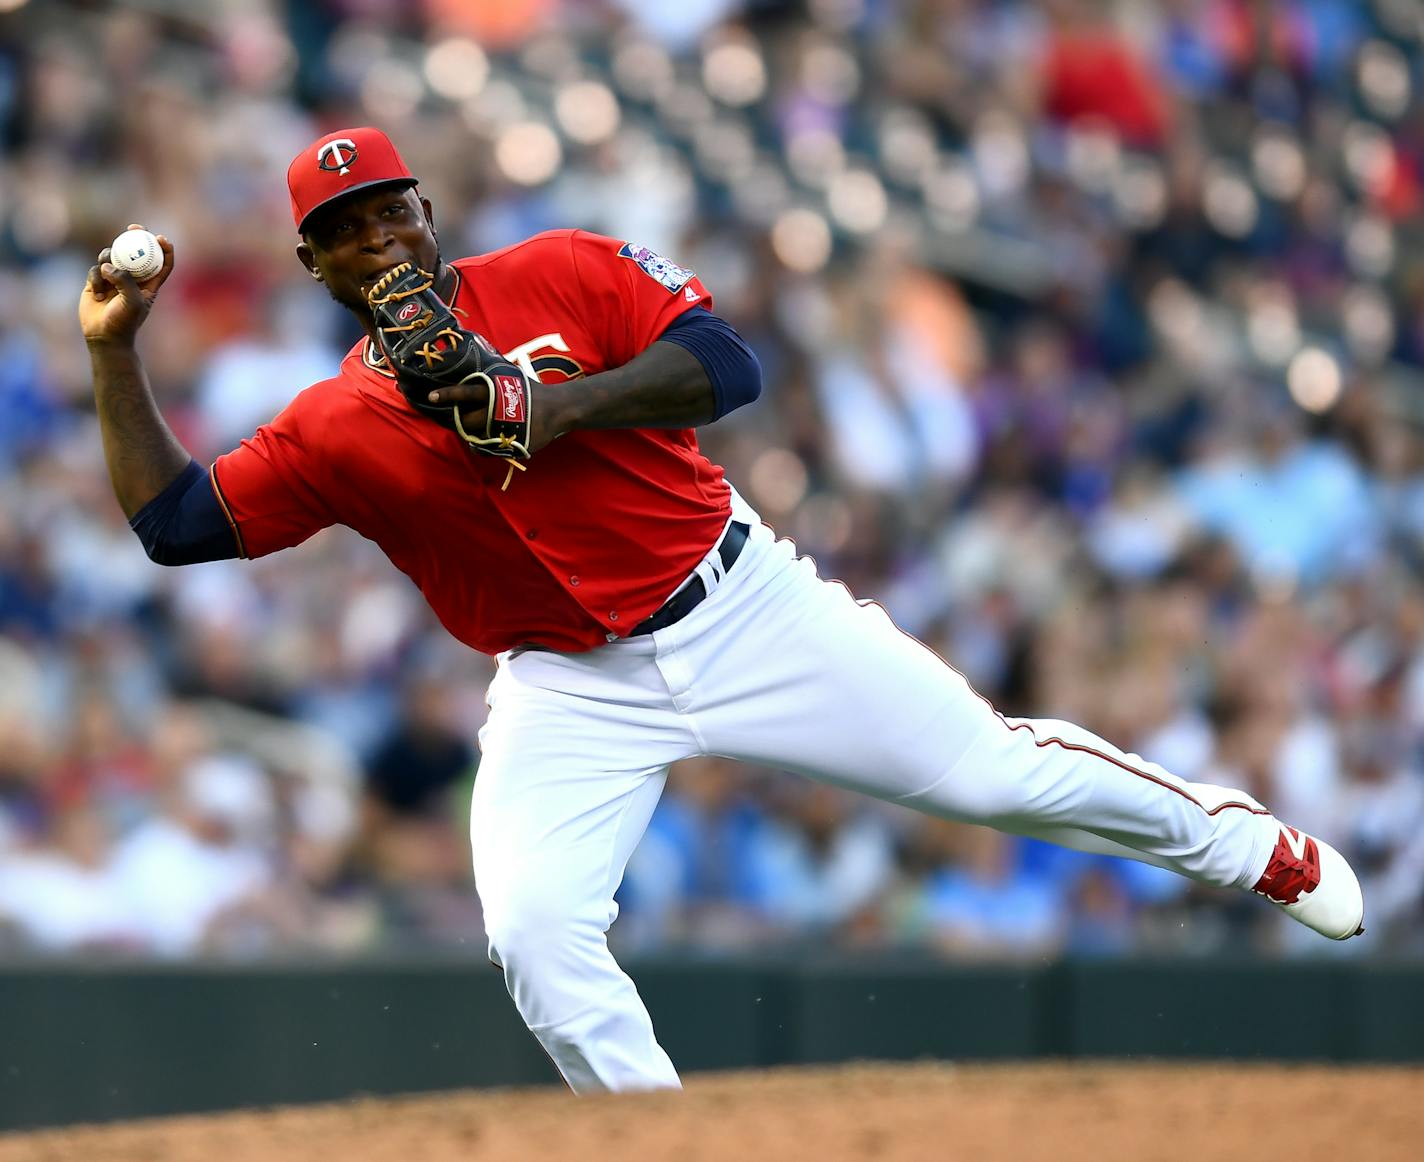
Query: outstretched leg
{"points": [[839, 693]]}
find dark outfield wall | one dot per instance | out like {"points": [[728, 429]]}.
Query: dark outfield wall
{"points": [[96, 1043]]}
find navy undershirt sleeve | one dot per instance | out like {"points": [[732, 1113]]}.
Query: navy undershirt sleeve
{"points": [[185, 524], [731, 366]]}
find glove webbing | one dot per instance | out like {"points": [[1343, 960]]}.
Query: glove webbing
{"points": [[373, 295]]}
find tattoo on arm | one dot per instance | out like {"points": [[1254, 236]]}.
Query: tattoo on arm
{"points": [[143, 454]]}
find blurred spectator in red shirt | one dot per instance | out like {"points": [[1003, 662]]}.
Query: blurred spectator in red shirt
{"points": [[1090, 72]]}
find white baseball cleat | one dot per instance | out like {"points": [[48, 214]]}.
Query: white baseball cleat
{"points": [[1310, 881]]}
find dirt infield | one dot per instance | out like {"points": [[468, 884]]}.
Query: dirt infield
{"points": [[1063, 1112]]}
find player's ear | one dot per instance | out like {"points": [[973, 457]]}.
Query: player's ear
{"points": [[308, 259], [429, 214]]}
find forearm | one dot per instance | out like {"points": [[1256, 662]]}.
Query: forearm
{"points": [[663, 387], [143, 454]]}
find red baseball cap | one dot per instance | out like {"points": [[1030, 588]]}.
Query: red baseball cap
{"points": [[337, 164]]}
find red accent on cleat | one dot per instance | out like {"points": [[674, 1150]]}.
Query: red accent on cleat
{"points": [[1294, 869]]}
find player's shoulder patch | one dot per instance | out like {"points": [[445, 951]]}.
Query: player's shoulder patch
{"points": [[656, 267]]}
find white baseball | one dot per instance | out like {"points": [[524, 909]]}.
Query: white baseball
{"points": [[138, 252]]}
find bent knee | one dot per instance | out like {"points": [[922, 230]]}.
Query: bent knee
{"points": [[525, 925], [997, 782]]}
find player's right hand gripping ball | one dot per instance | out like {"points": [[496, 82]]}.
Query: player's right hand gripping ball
{"points": [[428, 349]]}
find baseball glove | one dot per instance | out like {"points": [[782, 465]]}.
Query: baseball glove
{"points": [[427, 349]]}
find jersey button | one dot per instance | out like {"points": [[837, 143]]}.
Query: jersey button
{"points": [[573, 580], [613, 616], [532, 533]]}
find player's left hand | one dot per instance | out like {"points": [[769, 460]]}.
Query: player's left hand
{"points": [[472, 399]]}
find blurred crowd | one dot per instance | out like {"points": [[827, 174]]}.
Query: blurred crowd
{"points": [[1094, 348]]}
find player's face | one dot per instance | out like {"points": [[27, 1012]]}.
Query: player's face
{"points": [[351, 243]]}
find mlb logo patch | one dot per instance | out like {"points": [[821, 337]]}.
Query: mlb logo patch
{"points": [[657, 268]]}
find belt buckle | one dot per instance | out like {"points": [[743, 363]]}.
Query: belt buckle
{"points": [[711, 571]]}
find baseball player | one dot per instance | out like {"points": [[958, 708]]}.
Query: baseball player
{"points": [[515, 430]]}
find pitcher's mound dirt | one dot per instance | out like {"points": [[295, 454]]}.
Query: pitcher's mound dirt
{"points": [[888, 1113]]}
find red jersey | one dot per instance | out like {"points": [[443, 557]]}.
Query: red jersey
{"points": [[581, 547]]}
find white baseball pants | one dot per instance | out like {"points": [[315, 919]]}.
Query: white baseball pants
{"points": [[779, 668]]}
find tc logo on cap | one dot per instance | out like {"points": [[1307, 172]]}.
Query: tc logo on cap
{"points": [[328, 168], [337, 156]]}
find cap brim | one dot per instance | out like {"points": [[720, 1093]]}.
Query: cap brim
{"points": [[404, 183]]}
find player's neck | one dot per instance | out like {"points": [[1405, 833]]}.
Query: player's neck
{"points": [[445, 281]]}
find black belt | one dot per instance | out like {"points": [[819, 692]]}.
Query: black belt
{"points": [[690, 596]]}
